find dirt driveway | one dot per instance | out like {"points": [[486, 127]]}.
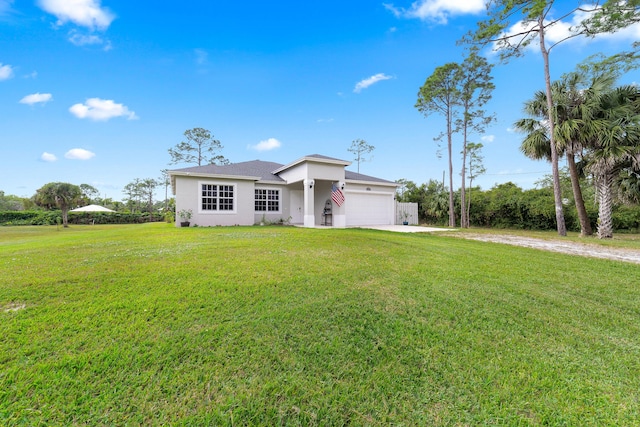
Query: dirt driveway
{"points": [[573, 248], [563, 246]]}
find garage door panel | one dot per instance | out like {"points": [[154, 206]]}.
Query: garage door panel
{"points": [[369, 209]]}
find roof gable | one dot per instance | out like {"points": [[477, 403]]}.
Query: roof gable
{"points": [[317, 158]]}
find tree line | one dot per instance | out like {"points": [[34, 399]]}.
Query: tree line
{"points": [[507, 205], [64, 196]]}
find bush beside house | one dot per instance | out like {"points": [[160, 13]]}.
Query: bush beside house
{"points": [[52, 217]]}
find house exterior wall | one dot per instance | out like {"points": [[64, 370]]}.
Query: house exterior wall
{"points": [[283, 214], [188, 197], [319, 171]]}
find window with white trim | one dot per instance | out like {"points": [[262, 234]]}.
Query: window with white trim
{"points": [[216, 197], [267, 200]]}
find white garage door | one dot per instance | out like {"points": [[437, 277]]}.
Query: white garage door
{"points": [[369, 209]]}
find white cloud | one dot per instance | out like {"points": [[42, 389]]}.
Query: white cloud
{"points": [[36, 98], [79, 154], [562, 30], [101, 110], [266, 145], [488, 138], [630, 33], [48, 157], [89, 40], [85, 13], [438, 11], [6, 72], [325, 120], [363, 84], [81, 39]]}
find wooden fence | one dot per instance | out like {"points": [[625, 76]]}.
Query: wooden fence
{"points": [[407, 212]]}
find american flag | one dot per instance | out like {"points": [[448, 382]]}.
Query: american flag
{"points": [[336, 195]]}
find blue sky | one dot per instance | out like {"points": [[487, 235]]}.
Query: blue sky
{"points": [[96, 92]]}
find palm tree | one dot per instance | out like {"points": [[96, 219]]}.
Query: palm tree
{"points": [[60, 194], [573, 112], [435, 203], [614, 146], [628, 185], [575, 123]]}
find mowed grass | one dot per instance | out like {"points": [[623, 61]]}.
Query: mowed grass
{"points": [[149, 324]]}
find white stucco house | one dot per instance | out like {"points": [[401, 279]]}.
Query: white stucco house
{"points": [[298, 193]]}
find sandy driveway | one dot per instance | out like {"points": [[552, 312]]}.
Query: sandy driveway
{"points": [[567, 247], [564, 246]]}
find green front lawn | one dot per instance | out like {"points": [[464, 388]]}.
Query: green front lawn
{"points": [[156, 325]]}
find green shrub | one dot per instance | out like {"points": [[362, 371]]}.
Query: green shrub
{"points": [[626, 218], [50, 217], [28, 217]]}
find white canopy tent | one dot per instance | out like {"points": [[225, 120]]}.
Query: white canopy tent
{"points": [[91, 208]]}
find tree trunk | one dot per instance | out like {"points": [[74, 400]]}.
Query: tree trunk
{"points": [[605, 204], [65, 216], [469, 201], [452, 214], [557, 192], [464, 221], [585, 224], [166, 196]]}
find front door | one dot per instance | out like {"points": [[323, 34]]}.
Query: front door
{"points": [[296, 199]]}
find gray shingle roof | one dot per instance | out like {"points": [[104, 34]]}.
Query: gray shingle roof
{"points": [[320, 156], [360, 177], [257, 168]]}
